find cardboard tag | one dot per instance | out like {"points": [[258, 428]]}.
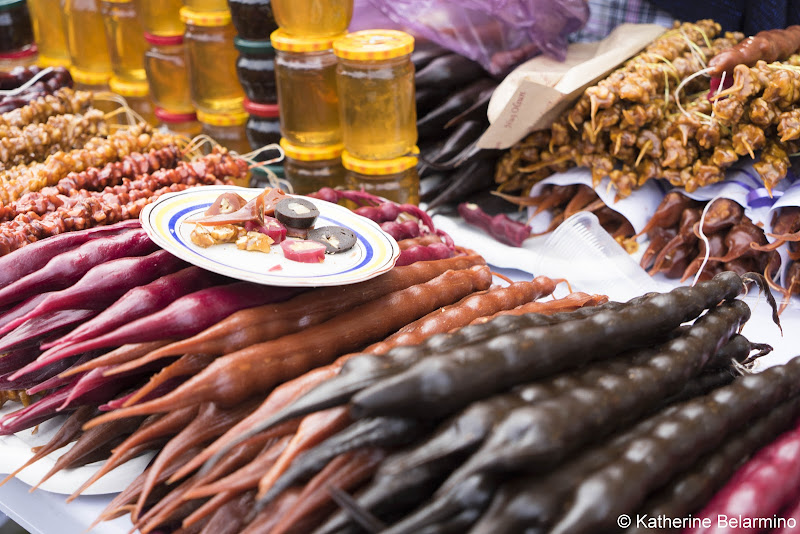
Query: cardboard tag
{"points": [[537, 91]]}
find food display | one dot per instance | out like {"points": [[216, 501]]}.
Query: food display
{"points": [[324, 354]]}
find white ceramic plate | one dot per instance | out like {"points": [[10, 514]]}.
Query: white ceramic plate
{"points": [[374, 253]]}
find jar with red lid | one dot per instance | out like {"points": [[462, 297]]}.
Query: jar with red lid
{"points": [[185, 124], [20, 58], [16, 31], [253, 19], [264, 125], [255, 68], [167, 73]]}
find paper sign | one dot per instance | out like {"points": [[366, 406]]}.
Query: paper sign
{"points": [[537, 91]]}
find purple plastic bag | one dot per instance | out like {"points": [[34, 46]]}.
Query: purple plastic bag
{"points": [[496, 33]]}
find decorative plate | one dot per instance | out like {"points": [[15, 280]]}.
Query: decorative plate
{"points": [[375, 251]]}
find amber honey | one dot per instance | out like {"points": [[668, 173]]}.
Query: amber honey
{"points": [[206, 5], [125, 36], [161, 17], [313, 18], [212, 61], [168, 75], [86, 37], [48, 25], [305, 73], [375, 79]]}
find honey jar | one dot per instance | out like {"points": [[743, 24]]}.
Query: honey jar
{"points": [[395, 179], [227, 129], [184, 124], [48, 27], [161, 17], [16, 31], [305, 71], [313, 18], [86, 38], [375, 80], [167, 73], [211, 61], [308, 169], [137, 95], [126, 44]]}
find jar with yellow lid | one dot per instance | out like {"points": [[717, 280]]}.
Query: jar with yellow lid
{"points": [[48, 27], [167, 73], [161, 17], [309, 169], [375, 79], [184, 124], [16, 31], [211, 59], [137, 95], [305, 72], [86, 37], [313, 18], [125, 36], [90, 81], [20, 58], [206, 5], [227, 129], [396, 179]]}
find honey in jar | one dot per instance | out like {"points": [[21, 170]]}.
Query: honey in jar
{"points": [[86, 37], [184, 124], [161, 17], [206, 5], [48, 27], [313, 18], [167, 73], [137, 96], [308, 169], [395, 179], [125, 36], [211, 60], [227, 129], [375, 80], [305, 71]]}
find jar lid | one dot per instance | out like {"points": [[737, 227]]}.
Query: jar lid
{"points": [[311, 153], [378, 167], [236, 118], [255, 48], [374, 45], [90, 78], [163, 40], [168, 116], [28, 51], [288, 43], [205, 18], [265, 111], [5, 5], [125, 88]]}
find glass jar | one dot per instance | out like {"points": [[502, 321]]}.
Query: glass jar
{"points": [[161, 17], [309, 169], [313, 18], [202, 6], [305, 70], [21, 58], [256, 70], [375, 79], [167, 74], [211, 59], [396, 179], [48, 27], [184, 124], [227, 129], [16, 31], [264, 125], [86, 38], [125, 36], [137, 95], [96, 83], [253, 19]]}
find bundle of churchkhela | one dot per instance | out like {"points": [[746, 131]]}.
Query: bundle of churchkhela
{"points": [[24, 84], [661, 116]]}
